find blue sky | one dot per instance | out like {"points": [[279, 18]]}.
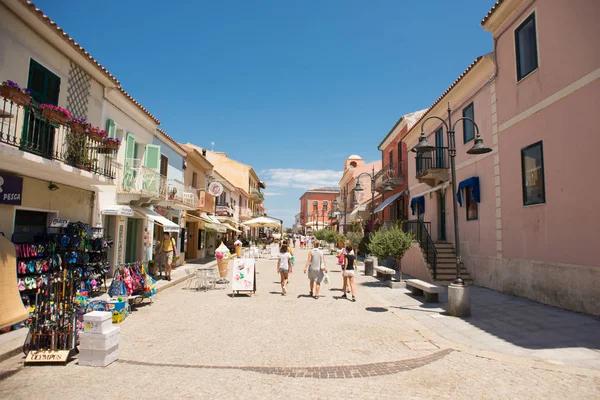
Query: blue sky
{"points": [[289, 87]]}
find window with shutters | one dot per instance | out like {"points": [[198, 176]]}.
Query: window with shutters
{"points": [[38, 134], [194, 180]]}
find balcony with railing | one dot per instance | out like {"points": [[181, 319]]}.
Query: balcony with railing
{"points": [[245, 213], [257, 196], [141, 185], [182, 196], [433, 167], [206, 202], [392, 174], [25, 129], [224, 210]]}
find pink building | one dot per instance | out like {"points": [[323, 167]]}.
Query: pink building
{"points": [[528, 213]]}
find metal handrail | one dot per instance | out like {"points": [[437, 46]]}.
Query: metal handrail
{"points": [[420, 231], [27, 129]]}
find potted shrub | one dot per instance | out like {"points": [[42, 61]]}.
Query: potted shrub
{"points": [[354, 238], [393, 242], [79, 125], [12, 91], [55, 114]]}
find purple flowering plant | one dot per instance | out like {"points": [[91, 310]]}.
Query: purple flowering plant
{"points": [[15, 85], [112, 140]]}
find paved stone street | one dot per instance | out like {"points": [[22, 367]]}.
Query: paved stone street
{"points": [[192, 344]]}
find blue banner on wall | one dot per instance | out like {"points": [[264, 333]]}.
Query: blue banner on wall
{"points": [[11, 189]]}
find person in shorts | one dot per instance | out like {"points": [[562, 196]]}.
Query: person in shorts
{"points": [[284, 267], [315, 265], [167, 252], [349, 262]]}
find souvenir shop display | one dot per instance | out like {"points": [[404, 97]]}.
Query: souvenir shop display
{"points": [[53, 268], [133, 281]]}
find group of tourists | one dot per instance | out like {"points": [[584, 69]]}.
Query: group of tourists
{"points": [[316, 268], [306, 242]]}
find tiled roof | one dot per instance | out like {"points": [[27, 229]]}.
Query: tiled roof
{"points": [[141, 107], [165, 134], [325, 189], [45, 19], [67, 38], [492, 11], [466, 71]]}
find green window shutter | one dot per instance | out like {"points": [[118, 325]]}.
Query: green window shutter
{"points": [[152, 157], [152, 161], [111, 128], [129, 147], [128, 172]]}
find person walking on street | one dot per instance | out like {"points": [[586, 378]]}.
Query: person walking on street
{"points": [[284, 267], [316, 269], [167, 253], [345, 253], [349, 260]]}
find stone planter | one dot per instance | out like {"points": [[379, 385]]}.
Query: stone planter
{"points": [[15, 95]]}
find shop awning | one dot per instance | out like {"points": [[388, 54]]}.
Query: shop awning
{"points": [[388, 201], [124, 211], [215, 224], [417, 202], [202, 217], [168, 225], [474, 184]]}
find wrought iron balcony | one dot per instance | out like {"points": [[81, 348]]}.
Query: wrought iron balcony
{"points": [[392, 174], [224, 210], [26, 129], [433, 167], [257, 195]]}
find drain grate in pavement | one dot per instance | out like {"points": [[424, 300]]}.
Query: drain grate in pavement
{"points": [[334, 372]]}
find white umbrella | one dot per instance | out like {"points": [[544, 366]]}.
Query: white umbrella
{"points": [[262, 222]]}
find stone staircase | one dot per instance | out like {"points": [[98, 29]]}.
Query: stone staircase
{"points": [[446, 265]]}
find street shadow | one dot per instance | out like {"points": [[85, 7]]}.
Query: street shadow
{"points": [[373, 284], [376, 309], [304, 296], [279, 293], [519, 321], [335, 290]]}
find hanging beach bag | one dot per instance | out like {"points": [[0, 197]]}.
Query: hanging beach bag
{"points": [[117, 287]]}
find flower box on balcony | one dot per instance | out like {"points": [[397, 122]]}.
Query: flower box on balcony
{"points": [[104, 149], [55, 114], [79, 125], [112, 143], [11, 91], [97, 134]]}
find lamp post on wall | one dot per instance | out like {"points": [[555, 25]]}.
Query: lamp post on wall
{"points": [[358, 188], [459, 301]]}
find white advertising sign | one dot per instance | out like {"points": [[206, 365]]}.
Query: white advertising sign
{"points": [[215, 189], [243, 274]]}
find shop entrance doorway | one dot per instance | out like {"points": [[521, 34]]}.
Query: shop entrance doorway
{"points": [[131, 245]]}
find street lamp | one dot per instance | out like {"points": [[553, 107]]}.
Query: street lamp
{"points": [[459, 302], [344, 196], [358, 188]]}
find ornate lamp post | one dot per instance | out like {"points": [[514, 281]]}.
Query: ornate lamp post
{"points": [[344, 196], [358, 188], [459, 301]]}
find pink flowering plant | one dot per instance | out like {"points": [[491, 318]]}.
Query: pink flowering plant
{"points": [[57, 109], [97, 133], [15, 85]]}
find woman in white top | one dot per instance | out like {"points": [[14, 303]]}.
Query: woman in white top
{"points": [[284, 267]]}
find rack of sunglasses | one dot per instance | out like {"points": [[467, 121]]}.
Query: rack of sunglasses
{"points": [[51, 271]]}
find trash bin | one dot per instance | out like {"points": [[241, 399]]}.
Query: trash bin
{"points": [[369, 266]]}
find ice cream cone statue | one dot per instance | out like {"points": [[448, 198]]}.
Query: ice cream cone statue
{"points": [[238, 248], [223, 255]]}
